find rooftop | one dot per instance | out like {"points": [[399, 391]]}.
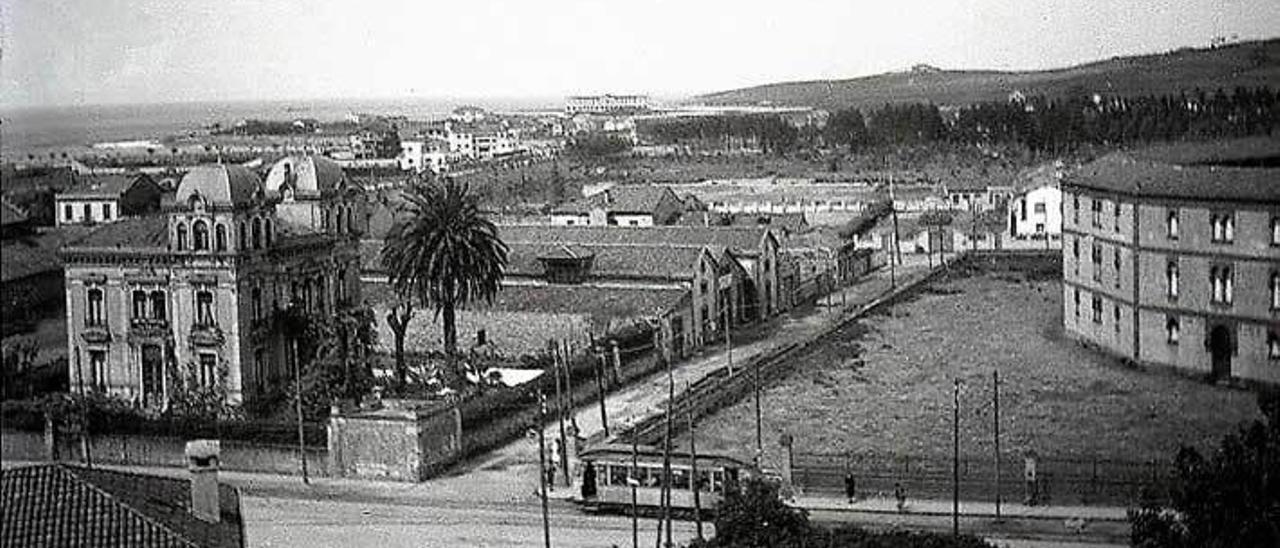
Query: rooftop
{"points": [[618, 199], [150, 232], [611, 261], [740, 239], [64, 505], [1127, 173], [100, 187], [10, 214]]}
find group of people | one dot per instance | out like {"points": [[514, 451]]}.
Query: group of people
{"points": [[851, 491]]}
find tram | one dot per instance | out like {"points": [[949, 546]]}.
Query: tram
{"points": [[606, 478]]}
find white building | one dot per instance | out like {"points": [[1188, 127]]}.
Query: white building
{"points": [[1037, 211], [604, 104], [107, 198], [419, 155]]}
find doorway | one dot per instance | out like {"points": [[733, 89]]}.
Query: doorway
{"points": [[1220, 348], [152, 375]]}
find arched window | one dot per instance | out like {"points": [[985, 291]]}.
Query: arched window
{"points": [[204, 307], [1275, 290], [200, 236], [1171, 279], [342, 225], [257, 303], [158, 305], [93, 312], [139, 305], [257, 233], [328, 219], [268, 232], [220, 237], [182, 237], [243, 238], [351, 227]]}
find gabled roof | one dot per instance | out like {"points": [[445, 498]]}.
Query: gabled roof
{"points": [[1126, 173], [150, 232], [64, 505], [616, 261], [619, 199], [101, 187], [219, 184], [739, 239]]}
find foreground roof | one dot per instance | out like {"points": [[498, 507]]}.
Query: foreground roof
{"points": [[1137, 175], [150, 232], [610, 261], [740, 239], [64, 505]]}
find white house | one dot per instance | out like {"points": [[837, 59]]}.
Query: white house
{"points": [[420, 155], [1036, 211]]}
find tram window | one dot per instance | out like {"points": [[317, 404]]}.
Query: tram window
{"points": [[679, 479], [618, 475], [652, 477], [704, 480], [717, 481]]}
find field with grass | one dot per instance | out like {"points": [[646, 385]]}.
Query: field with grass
{"points": [[884, 386]]}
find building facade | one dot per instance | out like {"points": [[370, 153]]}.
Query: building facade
{"points": [[103, 199], [1037, 212], [184, 299], [606, 104], [1175, 265]]}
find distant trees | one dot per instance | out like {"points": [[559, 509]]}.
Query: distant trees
{"points": [[597, 146], [847, 127], [767, 131]]}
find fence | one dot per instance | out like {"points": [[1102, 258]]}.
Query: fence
{"points": [[1060, 480]]}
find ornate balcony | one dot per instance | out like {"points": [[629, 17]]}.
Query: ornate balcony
{"points": [[96, 333], [148, 327], [206, 335]]}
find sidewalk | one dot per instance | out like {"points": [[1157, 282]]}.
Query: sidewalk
{"points": [[967, 508]]}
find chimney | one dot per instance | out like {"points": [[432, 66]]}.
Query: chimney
{"points": [[202, 462]]}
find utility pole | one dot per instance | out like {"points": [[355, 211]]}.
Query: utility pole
{"points": [[693, 460], [728, 337], [995, 384], [634, 481], [604, 415], [666, 451], [297, 386], [542, 467], [568, 379], [955, 462], [893, 208], [759, 435]]}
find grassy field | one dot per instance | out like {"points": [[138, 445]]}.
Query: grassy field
{"points": [[885, 386]]}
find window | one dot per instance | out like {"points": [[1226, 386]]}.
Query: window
{"points": [[1075, 253], [242, 237], [1171, 280], [208, 369], [1039, 229], [257, 233], [1222, 284], [267, 232], [66, 212], [1171, 330], [1116, 318], [106, 212], [220, 237], [1097, 213], [1116, 264], [1116, 218], [1171, 224], [93, 313], [1075, 210], [1273, 345], [1022, 207], [1096, 257], [1275, 290], [204, 307], [139, 305], [1275, 230], [182, 237], [88, 213], [350, 225], [1224, 227], [200, 236], [1077, 310], [98, 370], [158, 305], [257, 303], [1097, 309], [1039, 208]]}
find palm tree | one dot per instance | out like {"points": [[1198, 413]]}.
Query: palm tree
{"points": [[447, 254]]}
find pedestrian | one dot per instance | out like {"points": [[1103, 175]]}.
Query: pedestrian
{"points": [[901, 496], [1030, 479], [551, 477], [850, 487]]}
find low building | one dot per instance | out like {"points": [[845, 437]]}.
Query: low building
{"points": [[55, 505], [107, 198], [621, 205], [468, 114], [184, 298], [1175, 261], [606, 104], [1036, 213]]}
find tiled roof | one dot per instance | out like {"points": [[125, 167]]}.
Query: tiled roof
{"points": [[603, 304], [23, 259], [63, 505], [150, 232], [612, 261], [737, 238], [618, 199], [1124, 173], [100, 186]]}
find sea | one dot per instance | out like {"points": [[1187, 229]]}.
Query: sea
{"points": [[37, 131]]}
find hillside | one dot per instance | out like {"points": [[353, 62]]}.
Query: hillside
{"points": [[1245, 64]]}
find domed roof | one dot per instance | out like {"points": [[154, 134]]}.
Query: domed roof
{"points": [[218, 184], [310, 175]]}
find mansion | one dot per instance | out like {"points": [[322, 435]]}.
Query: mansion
{"points": [[1175, 262], [187, 295]]}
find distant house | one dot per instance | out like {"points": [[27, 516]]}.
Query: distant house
{"points": [[55, 505], [468, 114], [975, 194], [107, 198], [622, 205], [822, 260], [1036, 212]]}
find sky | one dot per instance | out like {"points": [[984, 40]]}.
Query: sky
{"points": [[61, 52]]}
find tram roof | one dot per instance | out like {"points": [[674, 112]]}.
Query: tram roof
{"points": [[648, 454]]}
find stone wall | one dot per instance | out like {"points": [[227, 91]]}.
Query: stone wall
{"points": [[402, 441]]}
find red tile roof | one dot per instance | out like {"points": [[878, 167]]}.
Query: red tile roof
{"points": [[64, 505], [150, 232]]}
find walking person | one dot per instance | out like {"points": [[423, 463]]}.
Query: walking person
{"points": [[850, 487], [901, 495]]}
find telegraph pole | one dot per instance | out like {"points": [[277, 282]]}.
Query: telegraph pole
{"points": [[635, 482], [542, 467], [604, 415], [693, 460], [728, 337], [666, 452], [564, 458], [955, 462], [759, 435], [995, 384]]}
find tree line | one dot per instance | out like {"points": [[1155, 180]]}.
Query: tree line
{"points": [[1061, 125], [767, 131]]}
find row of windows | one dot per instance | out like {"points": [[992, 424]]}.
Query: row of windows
{"points": [[1221, 284], [1222, 224], [95, 315], [711, 481], [342, 217], [1096, 209], [261, 233], [1173, 335], [98, 377], [1172, 323], [68, 212]]}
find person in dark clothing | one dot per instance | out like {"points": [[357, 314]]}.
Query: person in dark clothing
{"points": [[850, 487], [900, 494]]}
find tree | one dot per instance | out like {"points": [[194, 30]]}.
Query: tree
{"points": [[847, 127], [1230, 499], [754, 515], [447, 254], [340, 362], [398, 319]]}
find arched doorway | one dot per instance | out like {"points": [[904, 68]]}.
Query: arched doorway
{"points": [[1220, 349]]}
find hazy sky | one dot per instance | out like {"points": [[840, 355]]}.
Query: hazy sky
{"points": [[118, 51]]}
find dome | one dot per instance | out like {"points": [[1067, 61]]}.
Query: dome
{"points": [[218, 184], [311, 175]]}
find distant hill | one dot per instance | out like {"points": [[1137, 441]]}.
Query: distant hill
{"points": [[1247, 64]]}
